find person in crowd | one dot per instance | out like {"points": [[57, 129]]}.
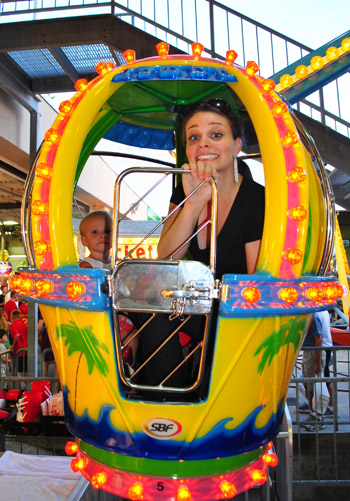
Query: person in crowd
{"points": [[313, 365], [5, 359], [19, 333], [11, 304], [95, 232], [3, 323], [327, 343], [212, 137], [4, 290]]}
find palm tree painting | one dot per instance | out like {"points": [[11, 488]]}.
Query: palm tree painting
{"points": [[290, 333], [83, 341]]}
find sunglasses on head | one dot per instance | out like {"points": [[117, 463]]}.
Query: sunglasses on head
{"points": [[218, 104]]}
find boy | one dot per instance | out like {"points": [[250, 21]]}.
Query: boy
{"points": [[19, 332], [11, 305], [95, 231]]}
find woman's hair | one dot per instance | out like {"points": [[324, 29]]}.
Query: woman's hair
{"points": [[96, 213], [243, 169], [218, 106]]}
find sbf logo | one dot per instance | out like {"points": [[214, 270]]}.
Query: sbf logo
{"points": [[161, 428]]}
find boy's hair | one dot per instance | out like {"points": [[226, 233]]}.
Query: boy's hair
{"points": [[2, 333], [95, 213], [13, 294], [15, 314]]}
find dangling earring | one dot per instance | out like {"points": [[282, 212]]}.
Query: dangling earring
{"points": [[235, 169]]}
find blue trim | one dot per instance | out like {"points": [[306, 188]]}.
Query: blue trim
{"points": [[270, 303], [140, 136], [174, 72], [92, 299]]}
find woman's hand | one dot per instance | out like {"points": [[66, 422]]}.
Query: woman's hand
{"points": [[200, 171]]}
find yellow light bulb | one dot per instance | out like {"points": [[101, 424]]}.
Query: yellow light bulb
{"points": [[71, 448], [297, 175], [314, 294], [293, 256], [77, 464], [41, 247], [301, 71], [345, 44], [267, 86], [81, 85], [317, 63], [298, 213], [288, 295], [98, 479], [251, 68], [135, 491], [15, 282], [103, 68], [259, 476], [279, 108], [129, 55], [39, 208], [251, 294], [286, 81], [197, 49], [75, 289], [162, 49], [270, 459], [231, 56], [65, 108], [290, 138], [43, 170], [52, 136], [26, 285], [333, 292], [183, 494], [332, 53], [44, 287], [228, 489]]}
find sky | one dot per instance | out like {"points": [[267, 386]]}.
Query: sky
{"points": [[310, 22]]}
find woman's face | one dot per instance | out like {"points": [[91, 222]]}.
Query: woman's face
{"points": [[209, 139]]}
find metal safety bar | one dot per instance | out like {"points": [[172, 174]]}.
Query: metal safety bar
{"points": [[178, 289], [166, 172]]}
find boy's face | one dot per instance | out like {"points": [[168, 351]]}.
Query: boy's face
{"points": [[97, 235], [3, 338]]}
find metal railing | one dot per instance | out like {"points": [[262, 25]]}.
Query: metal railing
{"points": [[319, 450], [216, 26], [9, 362]]}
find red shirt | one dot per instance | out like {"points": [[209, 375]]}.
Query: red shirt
{"points": [[9, 307], [19, 327]]}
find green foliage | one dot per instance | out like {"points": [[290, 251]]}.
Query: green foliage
{"points": [[85, 342], [289, 333]]}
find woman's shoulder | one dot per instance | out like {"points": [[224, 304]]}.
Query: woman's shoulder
{"points": [[252, 192]]}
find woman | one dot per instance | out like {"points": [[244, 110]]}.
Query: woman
{"points": [[213, 141], [212, 138]]}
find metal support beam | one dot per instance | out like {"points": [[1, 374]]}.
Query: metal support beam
{"points": [[64, 62], [32, 339]]}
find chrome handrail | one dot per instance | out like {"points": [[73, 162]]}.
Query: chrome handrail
{"points": [[166, 172]]}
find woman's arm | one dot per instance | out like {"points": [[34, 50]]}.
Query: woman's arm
{"points": [[176, 230], [181, 225]]}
